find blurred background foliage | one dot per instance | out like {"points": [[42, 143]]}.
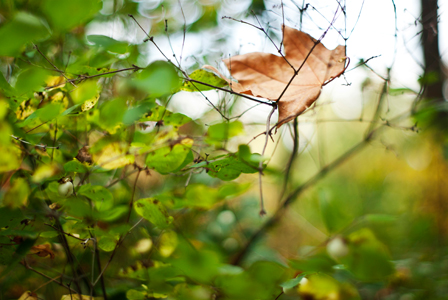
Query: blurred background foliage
{"points": [[166, 190]]}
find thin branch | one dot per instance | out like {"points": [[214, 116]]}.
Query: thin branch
{"points": [[295, 148], [83, 77], [27, 266], [36, 127], [208, 100], [119, 242], [271, 103], [260, 164], [305, 60], [66, 233], [279, 295], [131, 203], [121, 178], [35, 145], [54, 66], [294, 196], [363, 63], [184, 33], [54, 140], [279, 50]]}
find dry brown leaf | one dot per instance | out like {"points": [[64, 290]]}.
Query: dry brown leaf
{"points": [[43, 250], [84, 155], [267, 75]]}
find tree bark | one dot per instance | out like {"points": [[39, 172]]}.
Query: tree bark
{"points": [[433, 76]]}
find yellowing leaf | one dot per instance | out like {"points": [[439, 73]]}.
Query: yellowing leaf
{"points": [[168, 243], [85, 91], [54, 82], [154, 211], [43, 172], [90, 103], [170, 158], [205, 77], [18, 193], [76, 297], [113, 156], [323, 287], [10, 158], [26, 108], [28, 296]]}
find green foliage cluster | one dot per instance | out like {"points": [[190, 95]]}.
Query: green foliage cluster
{"points": [[162, 207]]}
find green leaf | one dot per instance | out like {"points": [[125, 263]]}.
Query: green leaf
{"points": [[333, 219], [71, 109], [261, 281], [201, 266], [112, 112], [268, 273], [109, 215], [135, 113], [176, 119], [136, 295], [9, 219], [107, 243], [6, 251], [224, 131], [247, 157], [229, 168], [45, 114], [24, 28], [316, 263], [400, 91], [17, 195], [5, 87], [160, 113], [78, 207], [49, 234], [21, 250], [368, 258], [379, 219], [30, 80], [102, 197], [75, 166], [293, 282], [108, 43], [200, 195], [322, 286], [64, 15], [205, 77], [10, 158], [167, 159], [85, 91], [153, 210], [158, 79], [232, 189]]}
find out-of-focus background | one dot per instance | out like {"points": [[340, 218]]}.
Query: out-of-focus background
{"points": [[371, 154]]}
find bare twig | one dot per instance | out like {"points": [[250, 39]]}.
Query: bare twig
{"points": [[35, 145], [294, 195], [271, 103], [54, 66], [260, 27], [83, 77], [260, 164], [295, 148], [131, 203], [27, 266], [66, 233]]}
